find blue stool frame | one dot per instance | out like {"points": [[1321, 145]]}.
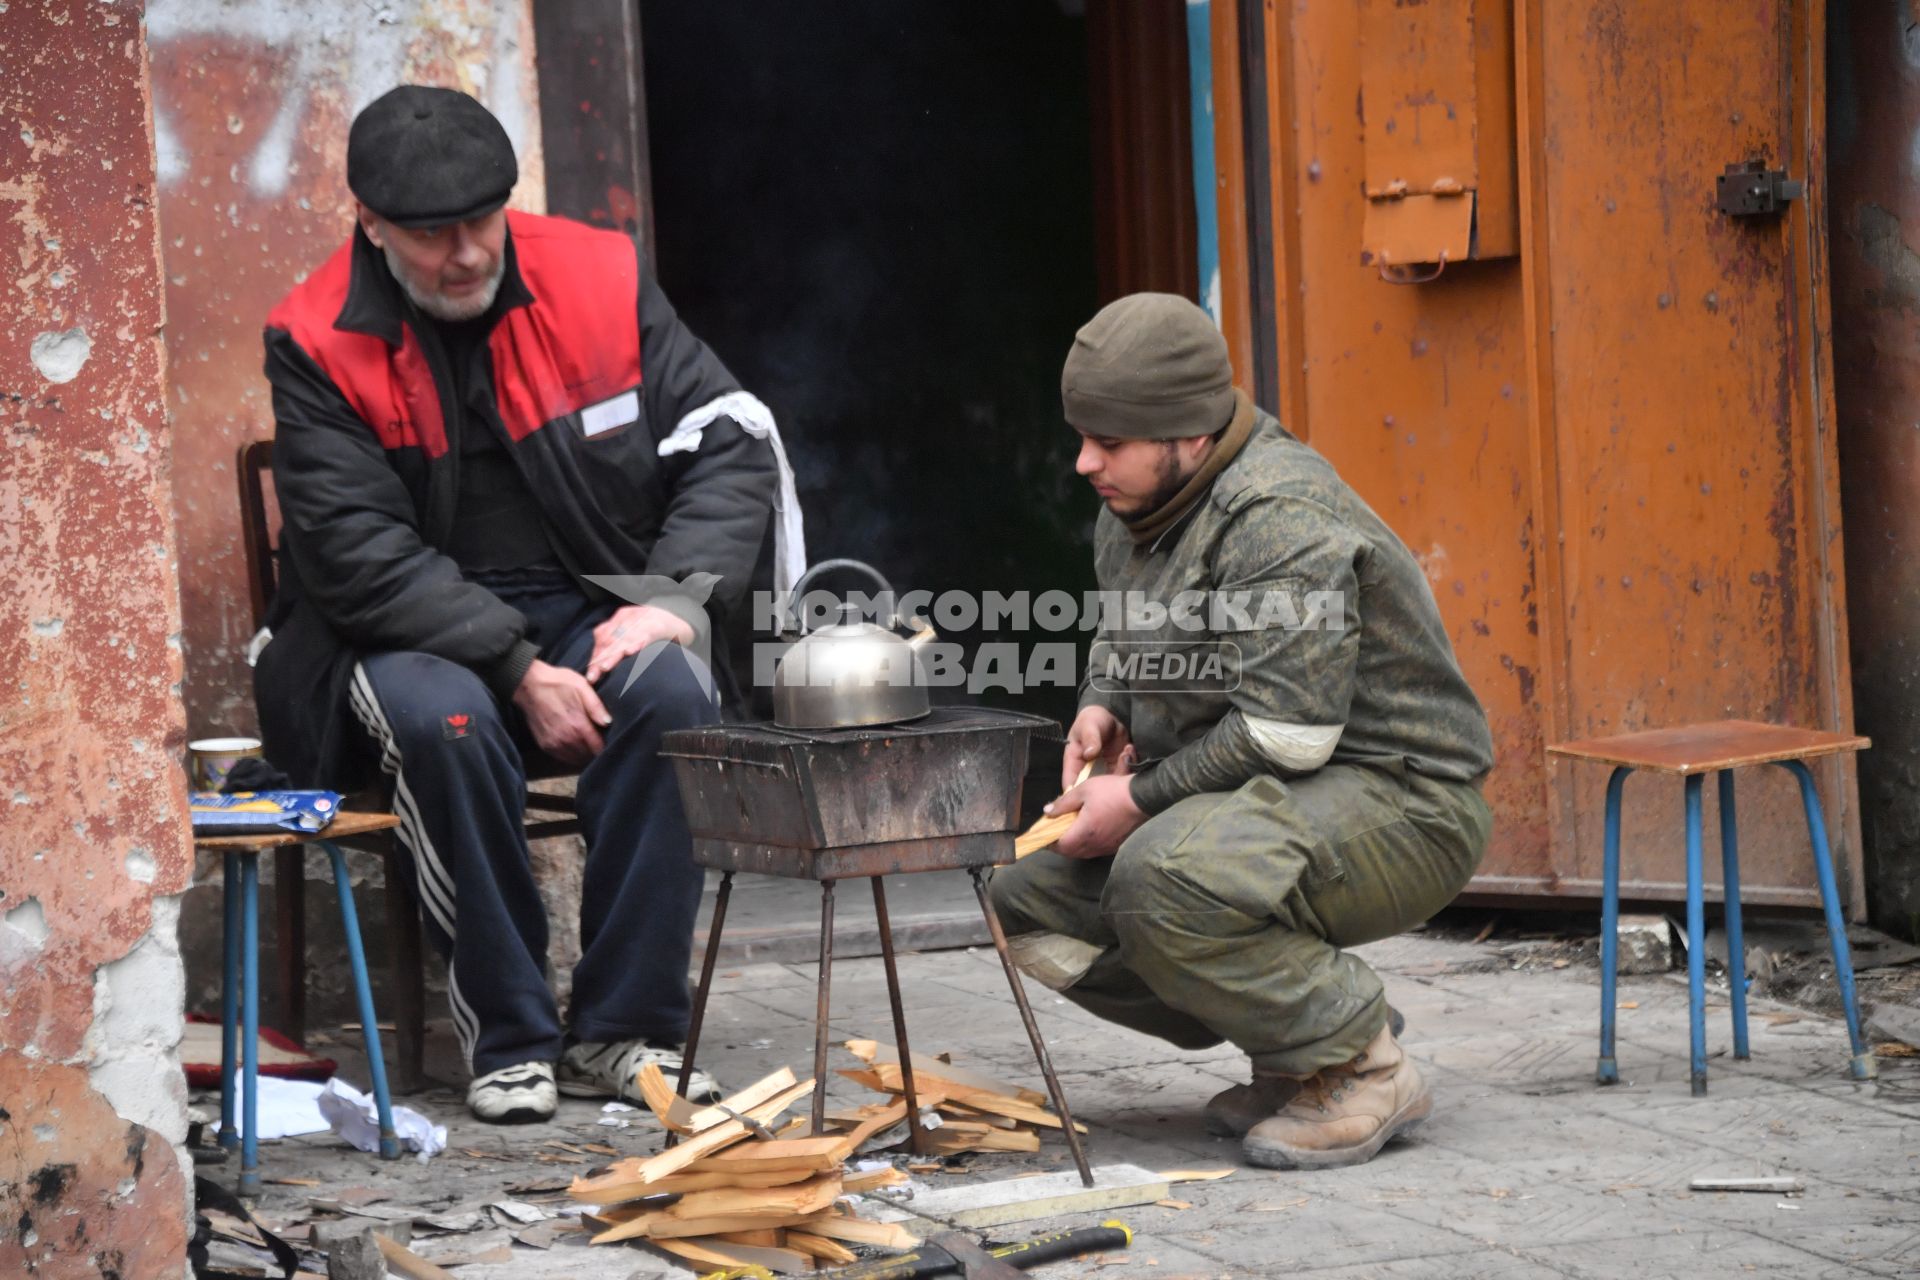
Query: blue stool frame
{"points": [[1862, 1064], [240, 1008]]}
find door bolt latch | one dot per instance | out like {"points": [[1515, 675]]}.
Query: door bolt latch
{"points": [[1751, 190]]}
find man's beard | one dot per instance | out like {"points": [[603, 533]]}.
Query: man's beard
{"points": [[1167, 483], [439, 305]]}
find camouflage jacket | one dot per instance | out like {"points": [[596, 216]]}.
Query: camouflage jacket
{"points": [[1278, 627]]}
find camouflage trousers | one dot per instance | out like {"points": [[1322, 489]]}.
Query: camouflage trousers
{"points": [[1225, 917]]}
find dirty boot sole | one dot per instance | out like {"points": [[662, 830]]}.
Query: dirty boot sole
{"points": [[1232, 1112], [1273, 1155]]}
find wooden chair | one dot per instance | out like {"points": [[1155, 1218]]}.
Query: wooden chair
{"points": [[1692, 752], [547, 816]]}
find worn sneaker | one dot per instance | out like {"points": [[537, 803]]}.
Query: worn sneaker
{"points": [[1345, 1114], [1231, 1112], [520, 1094], [591, 1069]]}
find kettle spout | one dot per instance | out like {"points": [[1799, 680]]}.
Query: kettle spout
{"points": [[923, 633]]}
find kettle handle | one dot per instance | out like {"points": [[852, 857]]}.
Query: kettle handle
{"points": [[800, 587]]}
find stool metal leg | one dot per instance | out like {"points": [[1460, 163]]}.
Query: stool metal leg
{"points": [[1696, 936], [363, 993], [706, 986], [1862, 1065], [229, 999], [820, 1013], [250, 1023], [1608, 1071], [1736, 937], [916, 1140], [1040, 1054]]}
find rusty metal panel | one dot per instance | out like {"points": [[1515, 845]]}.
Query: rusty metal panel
{"points": [[1417, 96], [1418, 396], [1284, 172], [1608, 455], [1691, 464], [1437, 113], [593, 115], [1875, 212], [1229, 155], [1496, 209], [1422, 228], [1141, 126]]}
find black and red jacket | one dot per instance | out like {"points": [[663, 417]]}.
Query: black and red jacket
{"points": [[586, 370]]}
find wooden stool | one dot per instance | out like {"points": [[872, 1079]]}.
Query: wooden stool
{"points": [[240, 985], [1693, 751]]}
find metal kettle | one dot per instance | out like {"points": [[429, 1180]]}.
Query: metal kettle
{"points": [[852, 672]]}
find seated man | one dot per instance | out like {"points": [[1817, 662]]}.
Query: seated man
{"points": [[475, 408], [1317, 787]]}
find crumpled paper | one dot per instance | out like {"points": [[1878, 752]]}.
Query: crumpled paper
{"points": [[354, 1116], [287, 1108]]}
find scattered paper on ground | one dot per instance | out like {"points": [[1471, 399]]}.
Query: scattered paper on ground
{"points": [[355, 1116]]}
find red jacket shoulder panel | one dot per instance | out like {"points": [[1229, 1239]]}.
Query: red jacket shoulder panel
{"points": [[390, 390], [579, 342]]}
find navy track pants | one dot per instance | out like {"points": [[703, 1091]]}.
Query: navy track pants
{"points": [[457, 761]]}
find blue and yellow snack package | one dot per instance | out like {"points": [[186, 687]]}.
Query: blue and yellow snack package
{"points": [[240, 812]]}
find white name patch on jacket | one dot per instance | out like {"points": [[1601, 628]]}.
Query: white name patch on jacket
{"points": [[608, 414]]}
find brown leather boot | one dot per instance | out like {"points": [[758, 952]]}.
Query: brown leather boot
{"points": [[1344, 1114], [1231, 1112]]}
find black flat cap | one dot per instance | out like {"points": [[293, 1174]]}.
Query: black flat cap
{"points": [[420, 157]]}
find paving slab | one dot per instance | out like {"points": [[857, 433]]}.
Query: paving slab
{"points": [[1527, 1168]]}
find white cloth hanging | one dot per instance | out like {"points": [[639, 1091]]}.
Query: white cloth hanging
{"points": [[789, 532]]}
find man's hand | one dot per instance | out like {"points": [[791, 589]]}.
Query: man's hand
{"points": [[563, 712], [1107, 816], [631, 629], [1097, 734]]}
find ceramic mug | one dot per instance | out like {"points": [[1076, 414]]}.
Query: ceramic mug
{"points": [[213, 759]]}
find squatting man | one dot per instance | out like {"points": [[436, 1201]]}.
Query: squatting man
{"points": [[476, 412], [1248, 829]]}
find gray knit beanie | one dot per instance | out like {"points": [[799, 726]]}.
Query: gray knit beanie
{"points": [[1150, 366]]}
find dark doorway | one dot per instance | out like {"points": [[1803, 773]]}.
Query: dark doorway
{"points": [[881, 216]]}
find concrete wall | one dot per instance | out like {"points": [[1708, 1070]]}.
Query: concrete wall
{"points": [[252, 99], [94, 847]]}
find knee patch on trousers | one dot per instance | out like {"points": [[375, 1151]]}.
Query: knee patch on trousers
{"points": [[1053, 960]]}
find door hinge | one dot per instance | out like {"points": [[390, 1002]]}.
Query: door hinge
{"points": [[1751, 190]]}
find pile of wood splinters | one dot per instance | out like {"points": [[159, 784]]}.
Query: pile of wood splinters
{"points": [[734, 1190]]}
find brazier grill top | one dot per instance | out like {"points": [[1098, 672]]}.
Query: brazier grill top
{"points": [[936, 793]]}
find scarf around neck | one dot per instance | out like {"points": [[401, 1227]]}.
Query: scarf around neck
{"points": [[1144, 529]]}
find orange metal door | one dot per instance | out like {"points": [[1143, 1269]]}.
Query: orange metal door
{"points": [[1687, 366], [1611, 452]]}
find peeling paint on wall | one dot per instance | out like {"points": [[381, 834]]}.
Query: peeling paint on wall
{"points": [[92, 1101], [132, 1048], [60, 356]]}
